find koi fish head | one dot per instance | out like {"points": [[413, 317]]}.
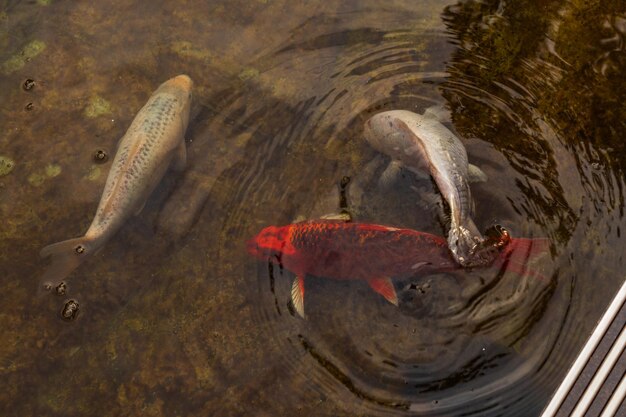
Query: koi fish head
{"points": [[497, 236], [269, 242], [180, 87]]}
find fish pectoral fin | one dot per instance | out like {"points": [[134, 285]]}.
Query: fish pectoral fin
{"points": [[384, 287], [420, 174], [297, 295], [390, 174], [475, 174], [179, 160], [420, 265]]}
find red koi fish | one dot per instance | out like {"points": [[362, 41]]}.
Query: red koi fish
{"points": [[374, 253]]}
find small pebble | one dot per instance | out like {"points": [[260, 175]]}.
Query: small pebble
{"points": [[28, 84], [100, 156], [70, 310], [61, 289]]}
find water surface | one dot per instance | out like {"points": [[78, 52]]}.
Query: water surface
{"points": [[176, 319]]}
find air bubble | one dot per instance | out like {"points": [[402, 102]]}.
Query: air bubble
{"points": [[70, 310], [28, 84]]}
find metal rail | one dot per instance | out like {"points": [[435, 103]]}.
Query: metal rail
{"points": [[595, 385]]}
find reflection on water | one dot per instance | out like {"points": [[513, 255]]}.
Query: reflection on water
{"points": [[174, 318]]}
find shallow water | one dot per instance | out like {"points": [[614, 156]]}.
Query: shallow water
{"points": [[175, 318]]}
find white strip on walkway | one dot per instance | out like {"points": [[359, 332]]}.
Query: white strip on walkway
{"points": [[586, 353], [616, 399], [601, 374]]}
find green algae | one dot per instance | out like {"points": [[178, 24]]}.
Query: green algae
{"points": [[248, 73], [4, 32], [50, 171], [44, 2], [96, 107], [94, 173], [17, 61], [6, 165], [186, 49], [36, 179]]}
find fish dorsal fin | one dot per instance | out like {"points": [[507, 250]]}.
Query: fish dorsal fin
{"points": [[475, 174], [438, 112], [344, 217], [384, 287], [420, 265], [297, 295]]}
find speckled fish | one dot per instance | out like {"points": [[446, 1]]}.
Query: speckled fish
{"points": [[153, 142], [374, 253], [422, 144]]}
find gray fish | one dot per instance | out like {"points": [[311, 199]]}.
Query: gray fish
{"points": [[423, 145], [153, 142]]}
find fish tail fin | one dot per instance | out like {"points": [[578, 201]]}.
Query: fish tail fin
{"points": [[530, 247], [65, 257], [520, 253], [522, 270]]}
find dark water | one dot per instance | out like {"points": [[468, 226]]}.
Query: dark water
{"points": [[176, 319]]}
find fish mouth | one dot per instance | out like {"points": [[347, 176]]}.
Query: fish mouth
{"points": [[183, 82], [252, 247]]}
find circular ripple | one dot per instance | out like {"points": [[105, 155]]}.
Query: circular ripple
{"points": [[477, 342]]}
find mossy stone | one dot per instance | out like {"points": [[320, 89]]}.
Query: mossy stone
{"points": [[52, 170], [248, 73], [94, 173], [18, 60], [6, 165], [186, 49], [97, 107]]}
